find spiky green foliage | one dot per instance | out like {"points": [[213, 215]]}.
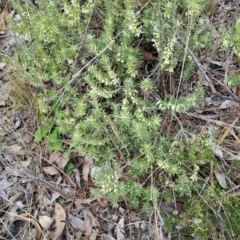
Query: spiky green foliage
{"points": [[105, 111]]}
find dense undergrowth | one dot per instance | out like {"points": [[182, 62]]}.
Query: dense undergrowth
{"points": [[87, 63]]}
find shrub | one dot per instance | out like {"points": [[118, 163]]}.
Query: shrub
{"points": [[105, 108]]}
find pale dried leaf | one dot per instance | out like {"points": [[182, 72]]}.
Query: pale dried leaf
{"points": [[27, 137], [217, 151], [2, 103], [119, 230], [119, 233], [107, 237], [84, 201], [94, 235], [3, 196], [143, 226], [54, 156], [25, 164], [5, 91], [2, 65], [13, 171], [121, 210], [88, 163], [226, 104], [233, 157], [76, 222], [103, 202], [17, 124], [62, 162], [51, 170], [4, 183], [60, 219], [55, 196], [88, 224], [21, 152], [220, 178], [13, 212], [46, 222], [77, 177], [14, 148]]}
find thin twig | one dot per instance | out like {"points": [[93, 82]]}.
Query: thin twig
{"points": [[201, 68], [219, 123], [232, 189]]}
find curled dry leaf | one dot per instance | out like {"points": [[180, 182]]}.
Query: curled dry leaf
{"points": [[46, 222], [77, 177], [51, 170], [60, 219], [88, 163], [27, 217], [220, 178]]}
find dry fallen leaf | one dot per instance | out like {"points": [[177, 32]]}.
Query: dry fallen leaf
{"points": [[62, 161], [146, 54], [226, 104], [54, 156], [77, 177], [5, 91], [27, 217], [220, 178], [107, 237], [76, 222], [88, 163], [25, 164], [88, 224], [119, 230], [217, 151], [103, 202], [85, 201], [55, 196], [60, 219], [46, 222], [51, 170], [14, 148]]}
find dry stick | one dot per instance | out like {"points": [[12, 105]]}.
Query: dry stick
{"points": [[200, 67], [219, 123], [227, 131]]}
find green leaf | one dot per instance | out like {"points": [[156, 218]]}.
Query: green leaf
{"points": [[68, 168], [54, 141], [61, 200], [42, 132], [56, 106]]}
